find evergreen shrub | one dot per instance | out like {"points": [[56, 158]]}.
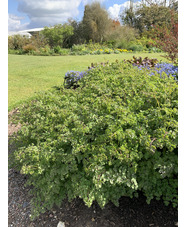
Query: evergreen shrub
{"points": [[114, 135]]}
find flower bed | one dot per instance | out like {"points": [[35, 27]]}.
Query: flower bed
{"points": [[162, 69], [115, 134]]}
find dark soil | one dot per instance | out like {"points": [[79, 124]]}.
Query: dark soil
{"points": [[131, 212]]}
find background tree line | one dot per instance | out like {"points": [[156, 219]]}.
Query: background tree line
{"points": [[97, 26], [146, 21]]}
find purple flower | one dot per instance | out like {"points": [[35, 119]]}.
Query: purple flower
{"points": [[72, 77], [168, 69]]}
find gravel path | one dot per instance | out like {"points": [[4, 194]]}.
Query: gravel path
{"points": [[130, 213]]}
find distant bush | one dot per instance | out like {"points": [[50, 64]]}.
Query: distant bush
{"points": [[121, 36], [58, 35], [57, 49], [45, 50], [17, 42], [79, 47], [123, 44], [82, 49], [154, 50], [38, 40], [114, 135], [65, 51], [144, 41], [136, 48], [10, 43], [29, 48]]}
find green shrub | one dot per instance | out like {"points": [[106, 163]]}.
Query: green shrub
{"points": [[79, 47], [12, 51], [58, 34], [144, 41], [122, 44], [60, 51], [136, 47], [45, 51], [73, 53], [65, 51], [154, 50], [117, 52], [94, 46], [57, 49], [111, 43], [84, 52], [113, 136]]}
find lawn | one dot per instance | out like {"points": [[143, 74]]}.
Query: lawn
{"points": [[30, 74]]}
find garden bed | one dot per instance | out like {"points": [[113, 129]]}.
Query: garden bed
{"points": [[130, 212]]}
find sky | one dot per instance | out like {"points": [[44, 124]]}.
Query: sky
{"points": [[28, 14]]}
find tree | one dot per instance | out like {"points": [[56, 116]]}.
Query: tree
{"points": [[58, 35], [78, 36], [95, 22], [128, 18], [145, 17]]}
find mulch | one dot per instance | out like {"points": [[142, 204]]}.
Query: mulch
{"points": [[130, 213]]}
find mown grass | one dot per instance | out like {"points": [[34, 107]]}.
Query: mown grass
{"points": [[30, 74]]}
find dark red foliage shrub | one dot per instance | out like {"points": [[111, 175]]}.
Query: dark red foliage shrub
{"points": [[143, 62], [166, 38]]}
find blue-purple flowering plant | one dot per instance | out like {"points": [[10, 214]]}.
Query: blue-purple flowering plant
{"points": [[72, 78], [167, 68], [161, 68]]}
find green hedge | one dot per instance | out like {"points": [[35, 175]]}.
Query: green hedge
{"points": [[113, 136]]}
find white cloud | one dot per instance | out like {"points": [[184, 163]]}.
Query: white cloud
{"points": [[116, 10], [14, 23], [48, 12]]}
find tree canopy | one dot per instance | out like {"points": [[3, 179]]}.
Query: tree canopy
{"points": [[58, 34], [145, 17], [96, 22]]}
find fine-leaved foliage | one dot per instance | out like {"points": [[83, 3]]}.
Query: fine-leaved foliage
{"points": [[113, 136]]}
